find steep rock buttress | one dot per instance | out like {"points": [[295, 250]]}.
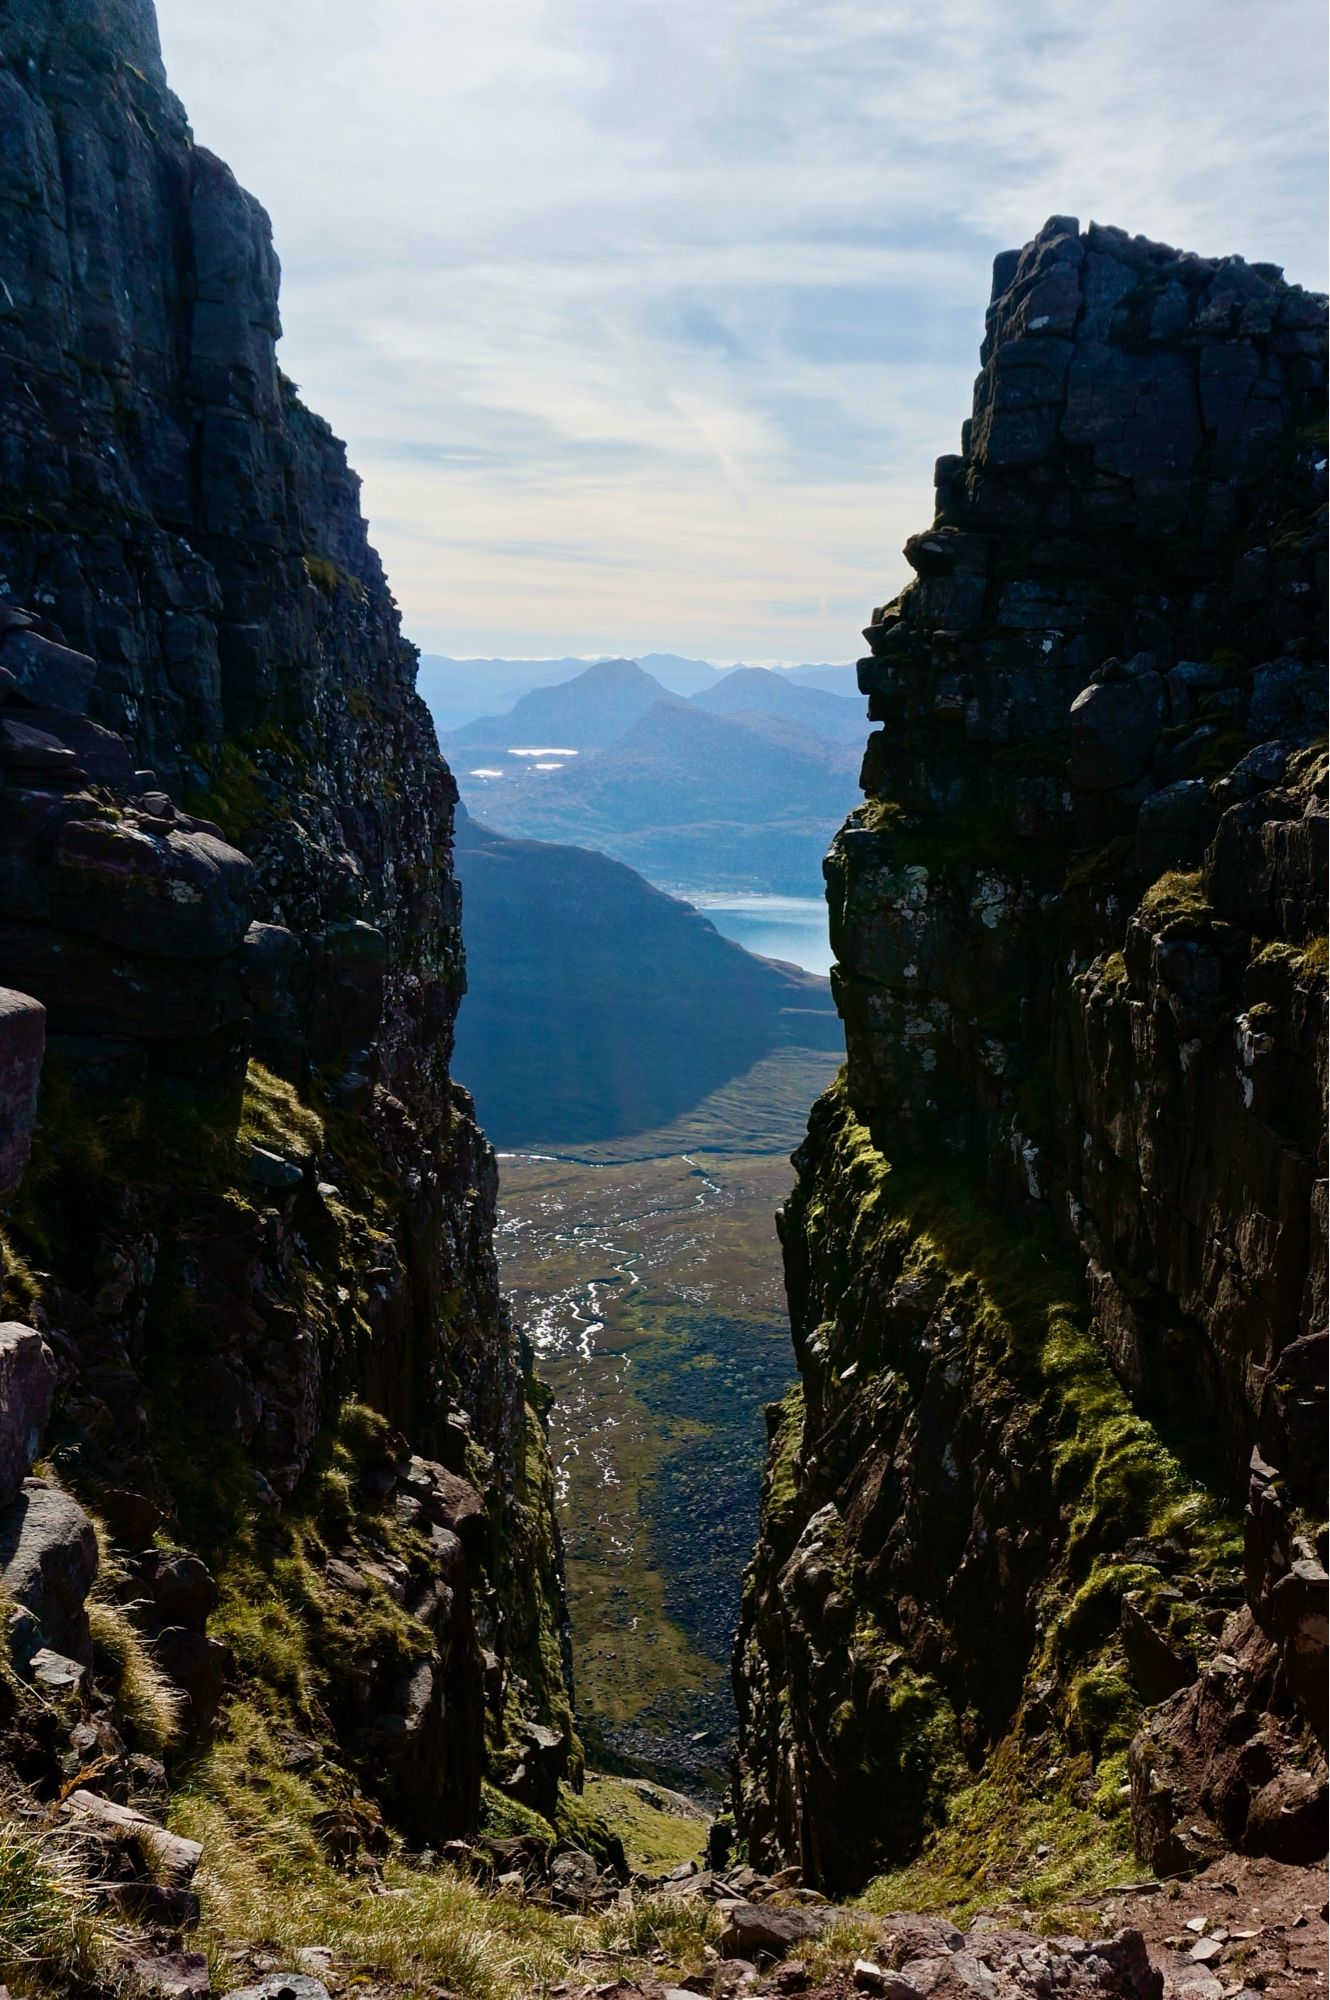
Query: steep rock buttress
{"points": [[256, 1324], [1045, 1521]]}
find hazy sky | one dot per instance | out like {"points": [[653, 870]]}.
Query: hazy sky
{"points": [[645, 320]]}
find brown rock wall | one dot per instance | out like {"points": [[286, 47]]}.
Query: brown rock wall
{"points": [[1079, 928]]}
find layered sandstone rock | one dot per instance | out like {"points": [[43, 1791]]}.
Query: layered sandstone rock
{"points": [[255, 1231], [1056, 1255]]}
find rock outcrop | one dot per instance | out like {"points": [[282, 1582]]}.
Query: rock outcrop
{"points": [[1044, 1521], [250, 1252]]}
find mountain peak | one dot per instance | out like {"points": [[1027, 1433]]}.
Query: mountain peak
{"points": [[839, 718], [615, 673], [594, 708]]}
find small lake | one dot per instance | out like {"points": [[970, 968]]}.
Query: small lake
{"points": [[790, 927]]}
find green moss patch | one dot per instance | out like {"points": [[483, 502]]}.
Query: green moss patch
{"points": [[658, 1828], [274, 1116], [1178, 896], [1115, 1483], [1308, 963], [329, 578], [780, 1489], [1026, 1832]]}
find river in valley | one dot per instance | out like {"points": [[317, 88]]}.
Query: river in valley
{"points": [[647, 1274]]}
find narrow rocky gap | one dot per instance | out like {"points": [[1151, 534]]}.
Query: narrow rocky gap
{"points": [[286, 1707]]}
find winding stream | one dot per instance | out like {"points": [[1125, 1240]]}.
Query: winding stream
{"points": [[647, 1276]]}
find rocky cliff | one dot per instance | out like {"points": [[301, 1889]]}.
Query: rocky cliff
{"points": [[291, 1488], [1043, 1562]]}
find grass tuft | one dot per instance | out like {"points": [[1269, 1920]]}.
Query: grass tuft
{"points": [[266, 1879], [988, 1851], [149, 1703], [47, 1938], [20, 1286], [1176, 897], [657, 1835], [274, 1116]]}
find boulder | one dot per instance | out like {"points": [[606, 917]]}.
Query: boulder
{"points": [[1286, 1818], [1114, 726], [23, 748], [50, 676], [269, 964], [48, 1560], [200, 1666], [172, 1975], [523, 1854], [271, 1172], [183, 1589], [1158, 1668], [348, 966], [22, 1047], [447, 1501], [27, 1384], [762, 1931], [872, 1978], [281, 1986], [172, 893], [1256, 772], [1301, 1602], [274, 974], [1283, 694], [1174, 827], [55, 1676], [156, 1855], [575, 1879], [98, 752], [534, 1780], [132, 1517]]}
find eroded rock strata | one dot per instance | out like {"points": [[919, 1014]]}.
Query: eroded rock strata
{"points": [[256, 1327], [1042, 1557]]}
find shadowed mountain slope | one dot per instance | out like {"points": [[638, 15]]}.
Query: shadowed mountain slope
{"points": [[687, 797], [598, 1006]]}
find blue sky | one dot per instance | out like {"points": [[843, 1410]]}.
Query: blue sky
{"points": [[645, 319]]}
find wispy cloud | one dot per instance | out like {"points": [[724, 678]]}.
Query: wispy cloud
{"points": [[645, 319]]}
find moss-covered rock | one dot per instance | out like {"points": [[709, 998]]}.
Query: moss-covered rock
{"points": [[257, 1223], [1057, 1237]]}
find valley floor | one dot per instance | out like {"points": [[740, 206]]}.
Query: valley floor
{"points": [[647, 1274]]}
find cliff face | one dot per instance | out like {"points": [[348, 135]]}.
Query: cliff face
{"points": [[252, 1245], [1044, 1523]]}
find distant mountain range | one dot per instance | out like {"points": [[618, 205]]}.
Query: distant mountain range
{"points": [[755, 690], [598, 1007], [598, 707], [457, 691], [739, 786]]}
